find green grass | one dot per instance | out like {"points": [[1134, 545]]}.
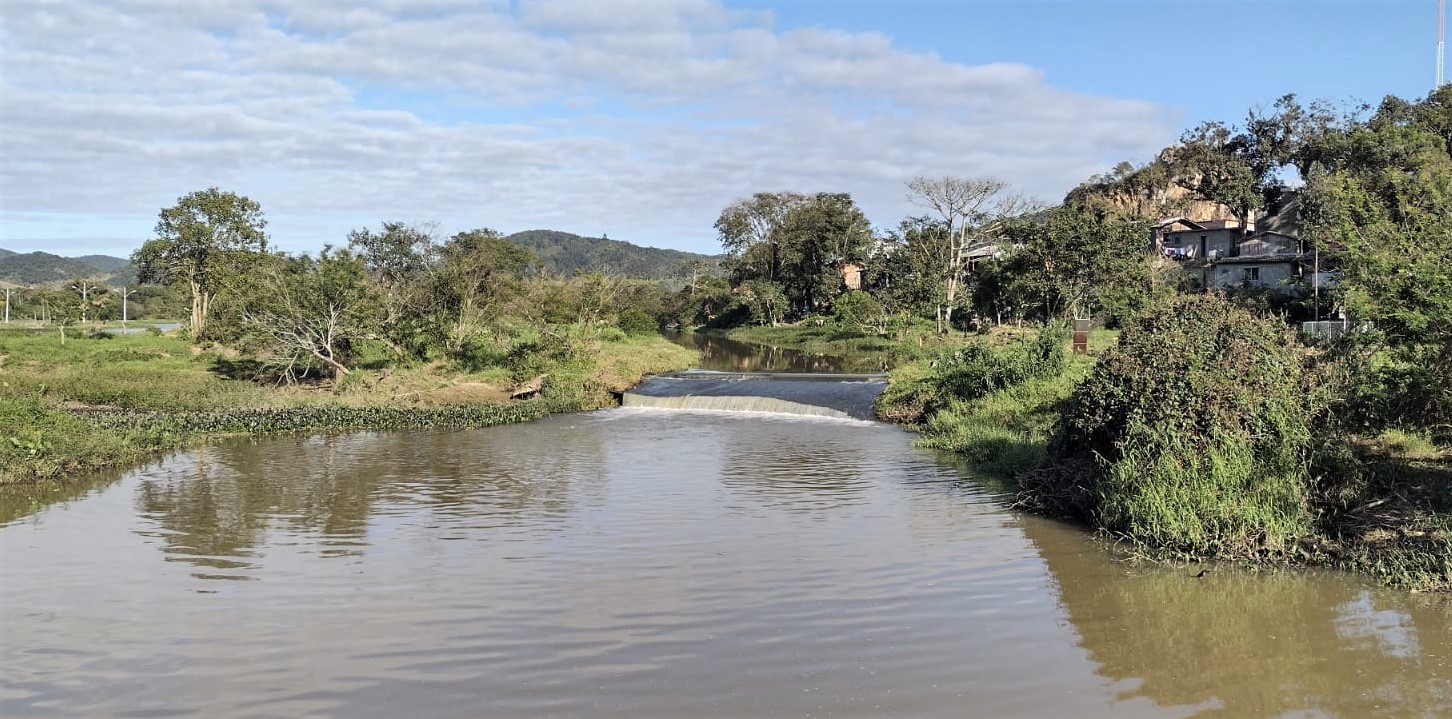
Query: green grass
{"points": [[98, 402], [1006, 432]]}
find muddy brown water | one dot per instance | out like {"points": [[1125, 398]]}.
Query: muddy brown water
{"points": [[653, 563]]}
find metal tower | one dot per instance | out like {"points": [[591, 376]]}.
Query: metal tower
{"points": [[1441, 40]]}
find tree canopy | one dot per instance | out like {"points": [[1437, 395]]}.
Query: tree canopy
{"points": [[201, 241]]}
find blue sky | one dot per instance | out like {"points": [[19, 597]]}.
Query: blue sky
{"points": [[636, 118]]}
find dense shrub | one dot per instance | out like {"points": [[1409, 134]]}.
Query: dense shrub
{"points": [[637, 322], [970, 372], [1192, 435], [859, 310]]}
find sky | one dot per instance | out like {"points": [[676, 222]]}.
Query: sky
{"points": [[638, 119]]}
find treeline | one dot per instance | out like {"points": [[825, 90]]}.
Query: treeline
{"points": [[981, 255], [1212, 428], [395, 294], [82, 301]]}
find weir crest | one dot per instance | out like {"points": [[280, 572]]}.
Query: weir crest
{"points": [[847, 396]]}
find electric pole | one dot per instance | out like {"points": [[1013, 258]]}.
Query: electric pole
{"points": [[124, 295]]}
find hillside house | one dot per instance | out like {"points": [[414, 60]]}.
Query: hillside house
{"points": [[1181, 238], [1266, 259]]}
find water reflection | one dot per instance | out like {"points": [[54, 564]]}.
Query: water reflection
{"points": [[728, 355], [814, 477], [1233, 643], [653, 564], [217, 507]]}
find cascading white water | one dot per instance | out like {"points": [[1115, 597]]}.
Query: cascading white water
{"points": [[839, 396], [730, 404]]}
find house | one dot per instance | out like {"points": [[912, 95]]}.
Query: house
{"points": [[978, 253], [1180, 238], [851, 275], [1265, 259], [1221, 254]]}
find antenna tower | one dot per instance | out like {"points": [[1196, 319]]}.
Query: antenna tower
{"points": [[1441, 40]]}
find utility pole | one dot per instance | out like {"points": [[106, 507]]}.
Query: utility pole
{"points": [[84, 288], [124, 295]]}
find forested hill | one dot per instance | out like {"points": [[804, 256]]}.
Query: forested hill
{"points": [[565, 253], [43, 268]]}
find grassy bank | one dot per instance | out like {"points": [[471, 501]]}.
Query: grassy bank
{"points": [[1383, 508], [98, 402]]}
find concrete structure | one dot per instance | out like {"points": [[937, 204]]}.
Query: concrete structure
{"points": [[1220, 254]]}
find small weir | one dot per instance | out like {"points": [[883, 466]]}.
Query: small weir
{"points": [[845, 396]]}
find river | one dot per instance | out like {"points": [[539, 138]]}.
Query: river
{"points": [[646, 562]]}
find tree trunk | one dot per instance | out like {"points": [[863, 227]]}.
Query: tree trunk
{"points": [[339, 371]]}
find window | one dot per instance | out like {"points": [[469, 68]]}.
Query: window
{"points": [[1252, 274]]}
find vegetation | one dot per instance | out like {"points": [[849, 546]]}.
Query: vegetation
{"points": [[1193, 434], [1208, 430], [42, 268], [101, 401], [564, 254]]}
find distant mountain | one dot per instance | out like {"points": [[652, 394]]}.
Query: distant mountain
{"points": [[43, 268], [565, 253]]}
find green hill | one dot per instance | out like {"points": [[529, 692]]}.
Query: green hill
{"points": [[566, 253], [43, 268]]}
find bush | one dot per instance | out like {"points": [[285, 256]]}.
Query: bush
{"points": [[970, 372], [637, 322], [858, 309], [1191, 435]]}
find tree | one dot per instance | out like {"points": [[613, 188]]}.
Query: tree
{"points": [[314, 312], [1212, 163], [964, 205], [398, 254], [817, 237], [1070, 261], [750, 231], [474, 268], [1380, 213], [207, 236], [907, 270], [765, 301]]}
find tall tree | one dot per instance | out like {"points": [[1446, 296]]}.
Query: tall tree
{"points": [[818, 236], [1071, 261], [1212, 162], [473, 270], [202, 239], [397, 254], [750, 231], [964, 205]]}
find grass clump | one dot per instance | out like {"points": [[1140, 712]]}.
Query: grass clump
{"points": [[1006, 432], [1191, 436], [922, 389]]}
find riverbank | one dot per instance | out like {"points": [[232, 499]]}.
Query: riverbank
{"points": [[1382, 508], [102, 401]]}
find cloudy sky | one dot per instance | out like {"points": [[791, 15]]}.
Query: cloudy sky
{"points": [[636, 118]]}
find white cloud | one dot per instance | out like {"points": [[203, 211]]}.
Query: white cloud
{"points": [[638, 117]]}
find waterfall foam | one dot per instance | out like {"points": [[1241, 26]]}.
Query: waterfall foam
{"points": [[818, 395]]}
